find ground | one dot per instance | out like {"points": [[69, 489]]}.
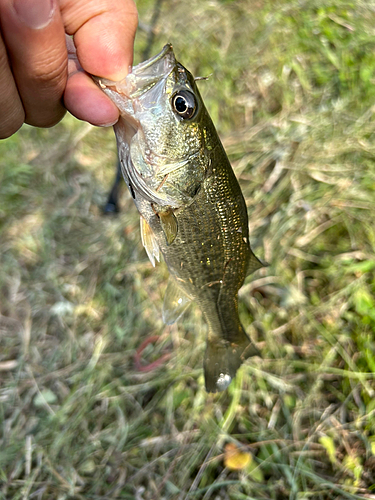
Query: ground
{"points": [[291, 90]]}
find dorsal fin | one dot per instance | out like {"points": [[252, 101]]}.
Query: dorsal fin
{"points": [[254, 264]]}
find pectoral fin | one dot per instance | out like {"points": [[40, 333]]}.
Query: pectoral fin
{"points": [[175, 302], [168, 223], [149, 242]]}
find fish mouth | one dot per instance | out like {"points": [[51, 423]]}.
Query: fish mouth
{"points": [[146, 74], [143, 76], [166, 53]]}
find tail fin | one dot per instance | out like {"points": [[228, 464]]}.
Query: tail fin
{"points": [[223, 358]]}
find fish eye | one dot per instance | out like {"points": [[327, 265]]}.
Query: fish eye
{"points": [[184, 104]]}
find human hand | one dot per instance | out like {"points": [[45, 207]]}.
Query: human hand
{"points": [[41, 69]]}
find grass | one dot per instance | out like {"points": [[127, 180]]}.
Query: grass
{"points": [[291, 92]]}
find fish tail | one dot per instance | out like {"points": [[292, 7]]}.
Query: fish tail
{"points": [[223, 358]]}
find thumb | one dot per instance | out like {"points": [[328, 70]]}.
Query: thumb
{"points": [[103, 32]]}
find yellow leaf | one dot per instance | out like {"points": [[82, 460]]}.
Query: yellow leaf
{"points": [[234, 458]]}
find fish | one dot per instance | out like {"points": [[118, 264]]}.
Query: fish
{"points": [[192, 211]]}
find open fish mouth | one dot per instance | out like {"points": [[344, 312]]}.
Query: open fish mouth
{"points": [[143, 76], [165, 56], [141, 79]]}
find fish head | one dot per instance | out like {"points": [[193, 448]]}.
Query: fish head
{"points": [[161, 132]]}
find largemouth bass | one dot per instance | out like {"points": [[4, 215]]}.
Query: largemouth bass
{"points": [[191, 206]]}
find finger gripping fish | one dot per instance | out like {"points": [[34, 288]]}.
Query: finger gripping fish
{"points": [[191, 206]]}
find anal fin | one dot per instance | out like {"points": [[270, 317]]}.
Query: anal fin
{"points": [[175, 302]]}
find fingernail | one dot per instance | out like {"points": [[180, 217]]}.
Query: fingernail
{"points": [[36, 14], [107, 124]]}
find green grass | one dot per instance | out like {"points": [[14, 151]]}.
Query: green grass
{"points": [[291, 91]]}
